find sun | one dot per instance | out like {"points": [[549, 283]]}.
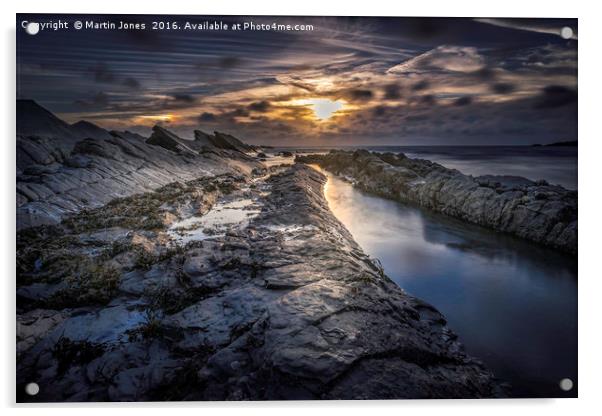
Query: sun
{"points": [[323, 108]]}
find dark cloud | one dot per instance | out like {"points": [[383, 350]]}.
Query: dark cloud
{"points": [[462, 101], [98, 100], [392, 91], [239, 112], [260, 106], [359, 94], [421, 85], [228, 62], [149, 40], [183, 98], [502, 88], [206, 116], [379, 111], [485, 74], [428, 99], [102, 73], [426, 29], [417, 117], [131, 83], [554, 96]]}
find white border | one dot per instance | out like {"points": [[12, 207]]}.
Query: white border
{"points": [[590, 201]]}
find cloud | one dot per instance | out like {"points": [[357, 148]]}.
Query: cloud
{"points": [[392, 91], [502, 88], [98, 100], [184, 98], [358, 94], [462, 101], [206, 116], [401, 79], [102, 73], [484, 73], [131, 83], [554, 96], [260, 106], [428, 99], [239, 112], [228, 62], [379, 111], [443, 58], [421, 85]]}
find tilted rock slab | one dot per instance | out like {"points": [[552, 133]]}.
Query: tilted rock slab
{"points": [[536, 211], [55, 183], [63, 168]]}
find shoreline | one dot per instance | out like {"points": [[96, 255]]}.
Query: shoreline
{"points": [[536, 211], [285, 307]]}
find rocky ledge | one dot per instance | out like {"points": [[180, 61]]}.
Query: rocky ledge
{"points": [[65, 168], [141, 300], [536, 211]]}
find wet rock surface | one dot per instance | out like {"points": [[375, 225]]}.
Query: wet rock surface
{"points": [[282, 305], [536, 211]]}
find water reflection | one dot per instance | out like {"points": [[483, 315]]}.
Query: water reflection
{"points": [[513, 304]]}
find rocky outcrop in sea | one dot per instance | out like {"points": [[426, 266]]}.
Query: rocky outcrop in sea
{"points": [[536, 211]]}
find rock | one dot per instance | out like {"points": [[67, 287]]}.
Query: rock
{"points": [[221, 141], [59, 176], [538, 212], [35, 120], [127, 135], [36, 150], [227, 141], [168, 140], [203, 139], [34, 325], [44, 138], [85, 129], [286, 307]]}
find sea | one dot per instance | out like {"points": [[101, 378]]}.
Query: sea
{"points": [[555, 164]]}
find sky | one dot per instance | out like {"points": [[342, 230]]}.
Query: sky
{"points": [[343, 81]]}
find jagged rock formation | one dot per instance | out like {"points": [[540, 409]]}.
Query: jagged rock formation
{"points": [[536, 211], [127, 135], [283, 306], [62, 168], [85, 129], [35, 120], [202, 142], [221, 141], [168, 140], [43, 138]]}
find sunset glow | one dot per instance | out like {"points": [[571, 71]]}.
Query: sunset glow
{"points": [[158, 117], [323, 108], [362, 81]]}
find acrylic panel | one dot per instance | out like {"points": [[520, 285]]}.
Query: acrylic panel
{"points": [[217, 208]]}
